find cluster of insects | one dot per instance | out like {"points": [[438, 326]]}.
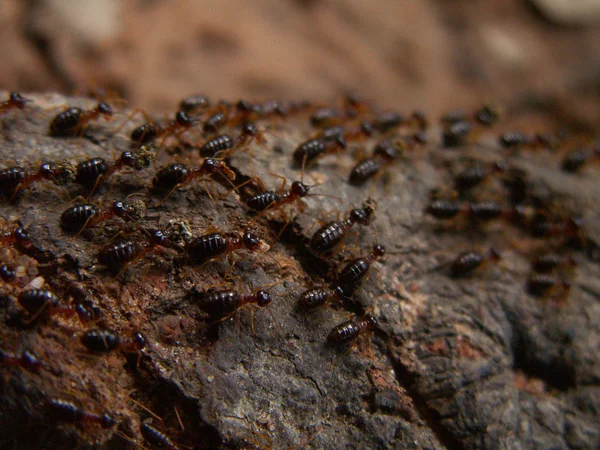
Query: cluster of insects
{"points": [[554, 231], [210, 136]]}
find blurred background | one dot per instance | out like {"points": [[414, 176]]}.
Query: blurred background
{"points": [[429, 54]]}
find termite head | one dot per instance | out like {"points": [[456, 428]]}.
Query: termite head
{"points": [[244, 106], [249, 129], [129, 159], [107, 421], [340, 142], [105, 109], [119, 208], [48, 170], [253, 243], [488, 114], [193, 103], [280, 109], [300, 189], [85, 315], [388, 150], [7, 273], [358, 216], [365, 214], [575, 223], [263, 298], [31, 361], [22, 237], [370, 320], [18, 100], [183, 119], [367, 128], [499, 166], [159, 237], [139, 340], [379, 250], [339, 291], [127, 211], [420, 137], [494, 254]]}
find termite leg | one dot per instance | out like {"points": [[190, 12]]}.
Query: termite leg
{"points": [[37, 314], [283, 181], [231, 267], [208, 191], [177, 186], [130, 116], [84, 227], [248, 181], [96, 184], [287, 222]]}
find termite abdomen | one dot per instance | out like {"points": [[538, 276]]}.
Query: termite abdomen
{"points": [[365, 170]]}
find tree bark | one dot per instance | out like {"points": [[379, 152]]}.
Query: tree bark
{"points": [[455, 364]]}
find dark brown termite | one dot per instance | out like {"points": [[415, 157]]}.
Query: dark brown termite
{"points": [[475, 174], [219, 305], [319, 296], [15, 179], [484, 210], [15, 101], [151, 131], [117, 256], [515, 140], [576, 159], [547, 285], [25, 360], [549, 261], [348, 332], [544, 225], [223, 303], [353, 273], [175, 175], [218, 245], [77, 218], [74, 121], [104, 341], [193, 103], [156, 438], [269, 200], [19, 237], [91, 172], [66, 411], [308, 152], [223, 145], [215, 122], [389, 121], [467, 262], [332, 233], [459, 127], [7, 273], [40, 301], [384, 154]]}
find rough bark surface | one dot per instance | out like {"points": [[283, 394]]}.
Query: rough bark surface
{"points": [[455, 364]]}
